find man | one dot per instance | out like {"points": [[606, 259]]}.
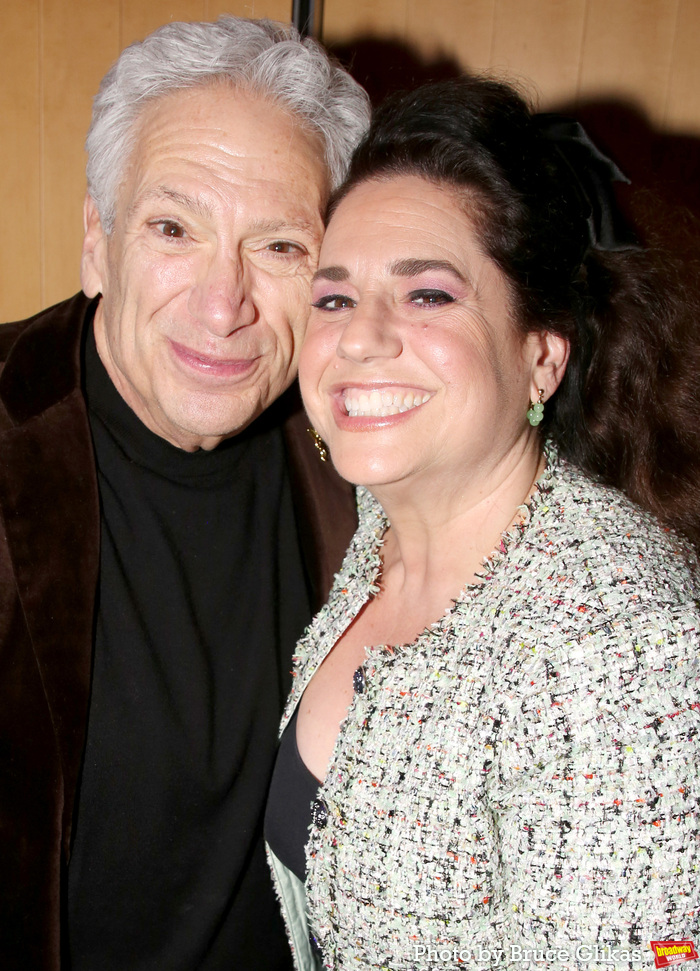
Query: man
{"points": [[166, 527]]}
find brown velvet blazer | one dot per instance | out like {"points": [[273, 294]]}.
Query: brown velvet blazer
{"points": [[49, 558]]}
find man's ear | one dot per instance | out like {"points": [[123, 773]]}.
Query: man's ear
{"points": [[550, 360], [93, 264]]}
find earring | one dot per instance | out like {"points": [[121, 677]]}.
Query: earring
{"points": [[535, 412], [319, 443]]}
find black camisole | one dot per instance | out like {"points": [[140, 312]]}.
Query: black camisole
{"points": [[290, 804]]}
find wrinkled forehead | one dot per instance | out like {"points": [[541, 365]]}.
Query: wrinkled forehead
{"points": [[220, 99], [222, 133]]}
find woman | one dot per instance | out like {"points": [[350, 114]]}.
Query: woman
{"points": [[496, 714]]}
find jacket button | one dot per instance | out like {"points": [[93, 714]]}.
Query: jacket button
{"points": [[319, 813], [358, 681]]}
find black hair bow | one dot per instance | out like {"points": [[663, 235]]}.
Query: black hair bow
{"points": [[592, 174]]}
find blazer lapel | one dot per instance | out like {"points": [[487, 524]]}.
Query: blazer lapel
{"points": [[50, 507], [324, 503]]}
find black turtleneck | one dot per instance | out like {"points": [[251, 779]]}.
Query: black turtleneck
{"points": [[201, 599]]}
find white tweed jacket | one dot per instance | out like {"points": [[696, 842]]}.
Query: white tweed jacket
{"points": [[518, 787]]}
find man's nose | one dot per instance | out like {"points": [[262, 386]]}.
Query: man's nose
{"points": [[370, 333], [220, 299]]}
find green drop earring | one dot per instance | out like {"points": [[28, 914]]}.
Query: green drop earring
{"points": [[535, 412]]}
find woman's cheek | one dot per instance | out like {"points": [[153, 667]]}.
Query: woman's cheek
{"points": [[313, 361]]}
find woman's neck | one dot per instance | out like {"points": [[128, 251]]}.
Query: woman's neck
{"points": [[437, 540]]}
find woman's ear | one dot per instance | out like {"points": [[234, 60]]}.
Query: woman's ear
{"points": [[549, 360]]}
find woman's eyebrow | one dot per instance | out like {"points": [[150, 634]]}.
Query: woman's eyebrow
{"points": [[405, 267], [336, 274], [411, 267]]}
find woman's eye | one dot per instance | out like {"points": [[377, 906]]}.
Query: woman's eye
{"points": [[430, 298], [334, 301], [171, 229]]}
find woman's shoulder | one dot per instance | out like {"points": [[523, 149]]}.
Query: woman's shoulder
{"points": [[610, 542], [609, 631]]}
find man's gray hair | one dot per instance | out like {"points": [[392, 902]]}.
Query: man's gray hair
{"points": [[263, 57]]}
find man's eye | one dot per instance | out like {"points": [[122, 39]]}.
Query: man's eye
{"points": [[284, 246], [430, 298], [171, 229], [334, 301]]}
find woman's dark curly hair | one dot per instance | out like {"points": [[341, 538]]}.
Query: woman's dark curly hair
{"points": [[627, 410]]}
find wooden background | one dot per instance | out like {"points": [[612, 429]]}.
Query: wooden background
{"points": [[630, 68]]}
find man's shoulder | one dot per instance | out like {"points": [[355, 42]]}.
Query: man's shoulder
{"points": [[9, 334], [40, 357], [71, 309]]}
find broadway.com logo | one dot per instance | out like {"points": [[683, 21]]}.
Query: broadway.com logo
{"points": [[667, 953]]}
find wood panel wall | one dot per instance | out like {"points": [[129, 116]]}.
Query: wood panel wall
{"points": [[644, 52], [53, 53]]}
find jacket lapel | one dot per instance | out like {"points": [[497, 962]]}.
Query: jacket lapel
{"points": [[324, 503], [50, 507]]}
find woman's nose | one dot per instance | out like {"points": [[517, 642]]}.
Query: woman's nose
{"points": [[370, 333]]}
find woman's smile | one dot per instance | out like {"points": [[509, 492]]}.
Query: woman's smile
{"points": [[382, 402]]}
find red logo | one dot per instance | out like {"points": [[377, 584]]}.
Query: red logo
{"points": [[667, 953]]}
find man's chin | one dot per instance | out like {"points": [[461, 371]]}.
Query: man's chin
{"points": [[207, 427]]}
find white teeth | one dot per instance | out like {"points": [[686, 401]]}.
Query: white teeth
{"points": [[379, 404]]}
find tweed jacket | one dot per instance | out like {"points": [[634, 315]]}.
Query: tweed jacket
{"points": [[49, 559], [524, 776]]}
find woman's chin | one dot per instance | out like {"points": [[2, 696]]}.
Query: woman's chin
{"points": [[368, 467]]}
